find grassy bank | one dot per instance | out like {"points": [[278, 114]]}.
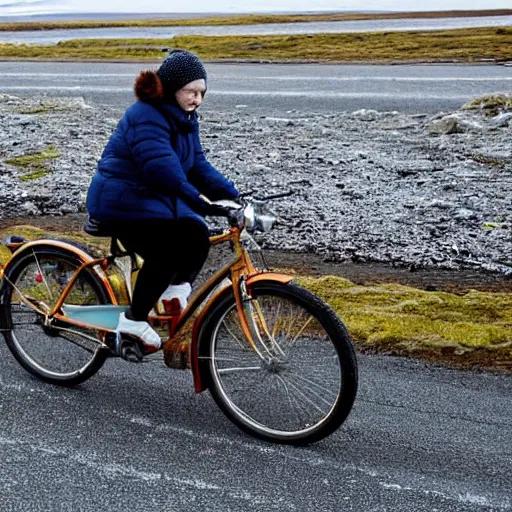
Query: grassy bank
{"points": [[465, 45], [253, 19], [470, 329]]}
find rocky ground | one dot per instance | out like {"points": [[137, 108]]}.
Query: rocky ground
{"points": [[416, 191]]}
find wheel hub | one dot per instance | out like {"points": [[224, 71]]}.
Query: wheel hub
{"points": [[275, 365]]}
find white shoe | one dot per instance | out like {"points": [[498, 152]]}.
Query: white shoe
{"points": [[141, 330], [177, 291]]}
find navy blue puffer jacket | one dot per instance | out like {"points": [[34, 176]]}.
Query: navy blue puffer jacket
{"points": [[153, 167]]}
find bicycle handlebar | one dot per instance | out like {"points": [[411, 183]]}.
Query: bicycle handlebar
{"points": [[275, 196], [251, 216], [267, 198]]}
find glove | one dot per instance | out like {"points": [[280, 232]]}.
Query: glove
{"points": [[212, 209], [230, 204]]}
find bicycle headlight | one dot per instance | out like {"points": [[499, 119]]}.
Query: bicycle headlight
{"points": [[257, 218], [265, 222]]}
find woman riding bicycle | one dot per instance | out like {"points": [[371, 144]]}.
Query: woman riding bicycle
{"points": [[148, 186]]}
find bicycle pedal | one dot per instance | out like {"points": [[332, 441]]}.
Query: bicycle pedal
{"points": [[128, 348]]}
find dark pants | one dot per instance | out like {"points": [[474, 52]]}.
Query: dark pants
{"points": [[174, 251]]}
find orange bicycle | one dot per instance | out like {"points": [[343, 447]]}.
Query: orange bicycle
{"points": [[275, 358]]}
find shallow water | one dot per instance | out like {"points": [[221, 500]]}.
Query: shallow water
{"points": [[54, 36]]}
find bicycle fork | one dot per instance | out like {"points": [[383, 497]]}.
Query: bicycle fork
{"points": [[255, 328]]}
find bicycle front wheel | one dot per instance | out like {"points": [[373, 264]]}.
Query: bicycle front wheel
{"points": [[34, 281], [298, 383]]}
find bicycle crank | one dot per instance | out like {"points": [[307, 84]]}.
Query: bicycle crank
{"points": [[128, 348]]}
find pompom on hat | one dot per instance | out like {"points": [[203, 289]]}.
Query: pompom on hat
{"points": [[177, 70]]}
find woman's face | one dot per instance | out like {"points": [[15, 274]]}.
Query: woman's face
{"points": [[190, 96]]}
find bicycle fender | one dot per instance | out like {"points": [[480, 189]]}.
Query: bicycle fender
{"points": [[268, 276], [48, 244], [200, 384]]}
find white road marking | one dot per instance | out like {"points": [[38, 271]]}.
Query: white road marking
{"points": [[116, 470], [285, 78], [295, 94], [312, 459]]}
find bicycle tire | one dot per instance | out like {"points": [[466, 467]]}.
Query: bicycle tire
{"points": [[258, 396], [40, 271]]}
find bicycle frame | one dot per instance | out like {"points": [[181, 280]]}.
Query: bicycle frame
{"points": [[240, 270]]}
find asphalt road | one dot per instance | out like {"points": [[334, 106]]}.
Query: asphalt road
{"points": [[274, 89], [137, 438]]}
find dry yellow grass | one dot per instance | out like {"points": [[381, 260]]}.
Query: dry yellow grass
{"points": [[465, 45]]}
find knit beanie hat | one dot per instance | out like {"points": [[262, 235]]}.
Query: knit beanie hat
{"points": [[179, 69]]}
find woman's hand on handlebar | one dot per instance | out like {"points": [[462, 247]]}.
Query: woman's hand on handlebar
{"points": [[222, 208]]}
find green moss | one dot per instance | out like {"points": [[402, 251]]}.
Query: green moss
{"points": [[43, 107], [490, 225], [95, 246], [490, 104], [489, 160], [392, 315], [5, 254], [34, 175], [35, 165]]}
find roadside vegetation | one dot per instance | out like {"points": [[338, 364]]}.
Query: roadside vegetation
{"points": [[490, 104], [35, 165], [464, 45], [254, 19], [473, 328]]}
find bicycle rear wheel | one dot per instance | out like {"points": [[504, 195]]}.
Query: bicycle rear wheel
{"points": [[300, 384], [60, 354]]}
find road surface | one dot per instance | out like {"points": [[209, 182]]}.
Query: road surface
{"points": [[274, 89], [136, 437]]}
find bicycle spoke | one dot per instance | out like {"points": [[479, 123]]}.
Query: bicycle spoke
{"points": [[276, 321], [315, 393], [318, 361], [235, 338], [217, 358], [297, 407], [239, 369], [26, 301], [50, 295], [308, 321], [299, 393], [260, 318]]}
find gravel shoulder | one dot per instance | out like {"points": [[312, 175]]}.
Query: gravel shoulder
{"points": [[382, 190]]}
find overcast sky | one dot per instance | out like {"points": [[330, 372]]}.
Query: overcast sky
{"points": [[11, 7]]}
